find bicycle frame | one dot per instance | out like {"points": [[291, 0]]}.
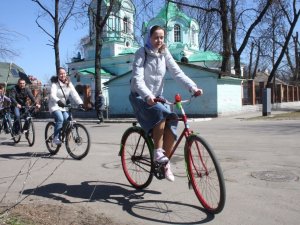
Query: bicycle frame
{"points": [[26, 116], [6, 120], [186, 132]]}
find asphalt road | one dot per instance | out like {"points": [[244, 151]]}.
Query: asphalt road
{"points": [[260, 160]]}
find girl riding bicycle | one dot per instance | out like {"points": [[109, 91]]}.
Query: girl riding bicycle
{"points": [[61, 89], [149, 68]]}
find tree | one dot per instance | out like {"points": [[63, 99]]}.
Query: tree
{"points": [[7, 37], [62, 12], [237, 52], [101, 15], [292, 22]]}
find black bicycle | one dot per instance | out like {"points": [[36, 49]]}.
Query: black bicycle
{"points": [[75, 136], [6, 125], [26, 125]]}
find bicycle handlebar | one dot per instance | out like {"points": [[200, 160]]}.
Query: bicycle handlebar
{"points": [[70, 107], [177, 99]]}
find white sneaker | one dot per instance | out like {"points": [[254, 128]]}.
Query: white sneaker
{"points": [[168, 173], [56, 141], [159, 156]]}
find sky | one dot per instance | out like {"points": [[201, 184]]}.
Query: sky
{"points": [[35, 56]]}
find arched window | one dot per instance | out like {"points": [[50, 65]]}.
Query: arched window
{"points": [[193, 35], [125, 25], [177, 36], [111, 23]]}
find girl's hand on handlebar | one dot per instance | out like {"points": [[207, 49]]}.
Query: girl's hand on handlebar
{"points": [[151, 101], [197, 92]]}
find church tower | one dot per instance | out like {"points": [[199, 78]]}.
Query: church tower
{"points": [[182, 31], [117, 35]]}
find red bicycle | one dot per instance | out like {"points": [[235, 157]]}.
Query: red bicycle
{"points": [[203, 170]]}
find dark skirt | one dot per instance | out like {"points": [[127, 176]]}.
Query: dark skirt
{"points": [[148, 116]]}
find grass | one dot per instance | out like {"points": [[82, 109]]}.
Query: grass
{"points": [[293, 115], [14, 220]]}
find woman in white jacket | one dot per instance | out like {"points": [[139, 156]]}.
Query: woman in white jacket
{"points": [[149, 68], [61, 90]]}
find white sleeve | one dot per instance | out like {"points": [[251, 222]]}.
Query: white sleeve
{"points": [[53, 92], [138, 81]]}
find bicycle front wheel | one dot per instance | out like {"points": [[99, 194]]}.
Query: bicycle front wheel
{"points": [[136, 157], [30, 133], [49, 136], [77, 141], [205, 174], [16, 136]]}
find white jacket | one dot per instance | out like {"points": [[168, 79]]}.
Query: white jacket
{"points": [[148, 76], [56, 94]]}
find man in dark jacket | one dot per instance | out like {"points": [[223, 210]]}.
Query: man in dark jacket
{"points": [[19, 95]]}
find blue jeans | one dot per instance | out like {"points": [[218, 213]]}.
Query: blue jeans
{"points": [[60, 117], [17, 122]]}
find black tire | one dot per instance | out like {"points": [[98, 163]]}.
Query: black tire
{"points": [[49, 135], [205, 174], [30, 134], [16, 137], [136, 157], [78, 141]]}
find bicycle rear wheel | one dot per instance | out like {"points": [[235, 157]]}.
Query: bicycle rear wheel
{"points": [[49, 135], [30, 133], [77, 141], [205, 174], [136, 157]]}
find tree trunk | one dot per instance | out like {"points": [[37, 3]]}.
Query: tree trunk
{"points": [[225, 68], [98, 50], [256, 61], [56, 36], [250, 61]]}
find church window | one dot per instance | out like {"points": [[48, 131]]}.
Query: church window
{"points": [[177, 36], [193, 35], [125, 25], [111, 23]]}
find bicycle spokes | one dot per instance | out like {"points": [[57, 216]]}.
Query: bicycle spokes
{"points": [[136, 158], [77, 141], [205, 174]]}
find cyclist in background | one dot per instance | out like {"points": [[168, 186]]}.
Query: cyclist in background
{"points": [[149, 68], [61, 89], [3, 98], [19, 96], [4, 101]]}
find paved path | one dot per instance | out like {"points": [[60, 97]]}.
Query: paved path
{"points": [[260, 160]]}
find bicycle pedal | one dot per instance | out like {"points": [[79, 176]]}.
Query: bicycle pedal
{"points": [[190, 185], [159, 170]]}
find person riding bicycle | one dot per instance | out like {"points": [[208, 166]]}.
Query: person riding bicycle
{"points": [[3, 98], [4, 101], [149, 67], [61, 89], [19, 96]]}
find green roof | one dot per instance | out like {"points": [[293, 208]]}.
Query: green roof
{"points": [[91, 70], [205, 56], [171, 10], [10, 73]]}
